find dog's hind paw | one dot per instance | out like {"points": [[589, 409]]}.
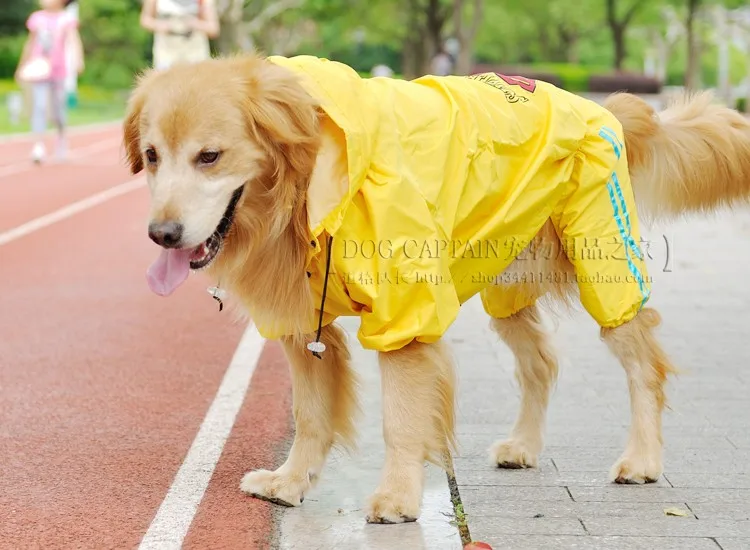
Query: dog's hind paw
{"points": [[392, 508], [275, 487], [513, 454], [631, 470]]}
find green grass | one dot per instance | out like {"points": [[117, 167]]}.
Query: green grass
{"points": [[94, 105]]}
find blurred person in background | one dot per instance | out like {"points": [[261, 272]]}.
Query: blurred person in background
{"points": [[182, 29], [442, 63], [382, 70], [44, 66]]}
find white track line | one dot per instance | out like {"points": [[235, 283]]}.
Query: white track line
{"points": [[27, 137], [69, 211], [75, 154], [172, 521]]}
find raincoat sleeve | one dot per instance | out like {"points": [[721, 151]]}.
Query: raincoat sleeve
{"points": [[405, 288]]}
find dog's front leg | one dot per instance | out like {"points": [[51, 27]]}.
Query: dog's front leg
{"points": [[324, 406], [418, 425]]}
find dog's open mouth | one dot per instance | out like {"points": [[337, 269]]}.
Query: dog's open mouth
{"points": [[173, 265], [204, 254]]}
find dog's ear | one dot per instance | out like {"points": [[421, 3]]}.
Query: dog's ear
{"points": [[131, 125], [282, 115]]}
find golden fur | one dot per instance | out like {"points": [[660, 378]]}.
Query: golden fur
{"points": [[693, 157]]}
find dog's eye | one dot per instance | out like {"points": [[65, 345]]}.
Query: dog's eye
{"points": [[151, 155], [208, 157]]}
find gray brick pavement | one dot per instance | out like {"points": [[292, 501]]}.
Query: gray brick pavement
{"points": [[568, 502]]}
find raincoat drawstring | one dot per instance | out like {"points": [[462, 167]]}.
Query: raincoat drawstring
{"points": [[317, 347]]}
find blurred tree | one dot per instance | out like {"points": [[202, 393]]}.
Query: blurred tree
{"points": [[417, 28], [272, 26], [692, 72], [467, 18], [360, 33], [115, 44], [661, 33], [559, 33], [406, 34], [14, 14], [428, 24], [696, 16], [426, 19], [619, 18], [230, 19]]}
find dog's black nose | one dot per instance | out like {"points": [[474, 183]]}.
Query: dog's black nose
{"points": [[166, 234]]}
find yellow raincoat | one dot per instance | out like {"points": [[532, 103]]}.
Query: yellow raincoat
{"points": [[449, 179]]}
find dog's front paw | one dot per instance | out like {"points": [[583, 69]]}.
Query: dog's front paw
{"points": [[392, 507], [636, 468], [514, 454], [276, 487]]}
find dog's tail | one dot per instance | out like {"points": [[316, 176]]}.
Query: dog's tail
{"points": [[692, 157]]}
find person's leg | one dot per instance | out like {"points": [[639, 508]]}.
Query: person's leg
{"points": [[59, 113], [40, 92]]}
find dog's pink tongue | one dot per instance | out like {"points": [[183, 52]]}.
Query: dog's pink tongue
{"points": [[169, 271]]}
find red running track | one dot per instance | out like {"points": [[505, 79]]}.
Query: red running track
{"points": [[103, 385]]}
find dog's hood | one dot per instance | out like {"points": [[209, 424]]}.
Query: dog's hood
{"points": [[356, 114]]}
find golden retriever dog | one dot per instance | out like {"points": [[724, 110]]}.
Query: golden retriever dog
{"points": [[240, 156]]}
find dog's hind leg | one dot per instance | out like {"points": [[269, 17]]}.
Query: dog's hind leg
{"points": [[545, 273], [536, 372], [324, 406], [647, 367], [418, 425]]}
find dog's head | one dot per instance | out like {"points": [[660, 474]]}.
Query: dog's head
{"points": [[222, 142]]}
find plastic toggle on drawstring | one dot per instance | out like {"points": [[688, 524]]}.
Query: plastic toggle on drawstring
{"points": [[217, 294]]}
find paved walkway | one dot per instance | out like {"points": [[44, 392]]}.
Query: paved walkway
{"points": [[568, 502]]}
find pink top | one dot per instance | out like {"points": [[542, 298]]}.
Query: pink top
{"points": [[51, 30]]}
